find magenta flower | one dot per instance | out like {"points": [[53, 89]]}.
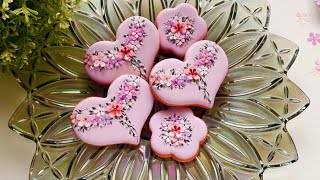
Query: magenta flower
{"points": [[205, 58], [176, 82], [314, 38], [136, 34], [130, 91]]}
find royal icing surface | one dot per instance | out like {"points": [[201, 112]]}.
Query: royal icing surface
{"points": [[193, 82], [177, 133], [133, 52], [116, 119], [179, 28]]}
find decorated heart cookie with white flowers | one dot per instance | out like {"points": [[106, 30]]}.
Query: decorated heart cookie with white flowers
{"points": [[133, 52], [194, 82], [116, 119]]}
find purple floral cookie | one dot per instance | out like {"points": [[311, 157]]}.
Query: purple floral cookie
{"points": [[133, 52], [177, 133], [194, 82], [116, 119], [179, 28]]}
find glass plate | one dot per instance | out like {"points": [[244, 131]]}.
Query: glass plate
{"points": [[247, 125]]}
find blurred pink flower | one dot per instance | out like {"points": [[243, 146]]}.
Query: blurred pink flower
{"points": [[314, 38], [302, 17]]}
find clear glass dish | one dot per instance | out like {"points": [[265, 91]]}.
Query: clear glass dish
{"points": [[247, 125]]}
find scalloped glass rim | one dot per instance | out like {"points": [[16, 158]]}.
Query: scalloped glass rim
{"points": [[247, 125]]}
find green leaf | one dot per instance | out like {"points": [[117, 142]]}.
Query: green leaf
{"points": [[229, 146], [115, 12], [244, 115], [66, 93], [69, 60], [245, 80], [90, 29]]}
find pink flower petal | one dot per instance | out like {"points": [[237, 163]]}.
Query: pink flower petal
{"points": [[314, 42]]}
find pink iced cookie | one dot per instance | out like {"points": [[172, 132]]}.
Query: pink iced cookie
{"points": [[179, 28], [133, 52], [194, 82], [177, 133], [116, 119]]}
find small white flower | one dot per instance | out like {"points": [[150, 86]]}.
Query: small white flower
{"points": [[204, 71]]}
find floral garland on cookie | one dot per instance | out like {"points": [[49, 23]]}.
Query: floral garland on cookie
{"points": [[176, 131], [190, 74], [115, 110], [112, 59], [179, 29]]}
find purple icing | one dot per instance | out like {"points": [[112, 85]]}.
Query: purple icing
{"points": [[179, 28], [193, 82], [191, 73], [133, 52]]}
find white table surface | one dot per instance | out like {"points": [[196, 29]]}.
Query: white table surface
{"points": [[16, 152]]}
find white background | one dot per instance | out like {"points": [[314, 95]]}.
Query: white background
{"points": [[16, 152]]}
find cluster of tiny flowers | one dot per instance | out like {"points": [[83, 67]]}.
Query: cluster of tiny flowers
{"points": [[176, 130], [104, 114], [126, 52], [180, 78], [179, 30]]}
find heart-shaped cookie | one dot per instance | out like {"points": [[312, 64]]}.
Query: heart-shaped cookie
{"points": [[179, 28], [177, 133], [116, 119], [195, 81], [133, 52]]}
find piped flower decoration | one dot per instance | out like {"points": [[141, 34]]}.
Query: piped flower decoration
{"points": [[111, 59], [195, 73], [133, 52], [117, 118], [202, 72], [176, 130], [177, 133], [85, 119], [179, 28]]}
